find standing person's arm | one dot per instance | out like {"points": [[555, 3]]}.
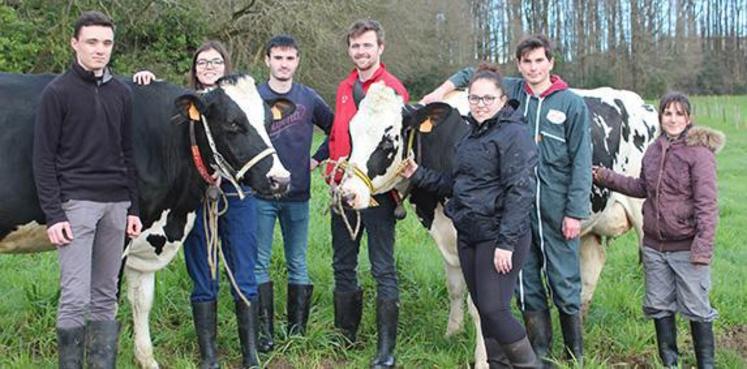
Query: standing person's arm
{"points": [[457, 80], [517, 163], [134, 226], [47, 133], [630, 186], [323, 118], [442, 184], [705, 201], [578, 138]]}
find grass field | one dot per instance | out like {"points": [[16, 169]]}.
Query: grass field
{"points": [[616, 334]]}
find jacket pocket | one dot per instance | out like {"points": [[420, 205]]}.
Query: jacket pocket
{"points": [[554, 149]]}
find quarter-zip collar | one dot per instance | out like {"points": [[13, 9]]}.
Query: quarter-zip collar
{"points": [[88, 76]]}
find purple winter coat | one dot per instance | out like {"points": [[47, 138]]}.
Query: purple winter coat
{"points": [[678, 180]]}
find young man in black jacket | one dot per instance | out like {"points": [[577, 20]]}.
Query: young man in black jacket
{"points": [[87, 187]]}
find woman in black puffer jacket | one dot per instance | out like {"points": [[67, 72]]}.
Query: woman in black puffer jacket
{"points": [[492, 187]]}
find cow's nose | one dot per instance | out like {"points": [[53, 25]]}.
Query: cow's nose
{"points": [[279, 184]]}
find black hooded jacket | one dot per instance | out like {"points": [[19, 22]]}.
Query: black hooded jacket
{"points": [[492, 185]]}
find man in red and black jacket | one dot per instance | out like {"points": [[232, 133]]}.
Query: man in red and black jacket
{"points": [[365, 40]]}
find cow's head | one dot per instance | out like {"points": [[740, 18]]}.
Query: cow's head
{"points": [[380, 141], [235, 118]]}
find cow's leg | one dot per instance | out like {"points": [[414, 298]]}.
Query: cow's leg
{"points": [[481, 355], [592, 261], [444, 233], [457, 288], [140, 287]]}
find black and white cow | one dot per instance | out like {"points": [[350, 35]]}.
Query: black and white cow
{"points": [[233, 115], [623, 126]]}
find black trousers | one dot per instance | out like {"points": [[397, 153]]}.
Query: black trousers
{"points": [[491, 291], [378, 223]]}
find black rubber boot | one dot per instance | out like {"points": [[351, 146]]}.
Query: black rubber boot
{"points": [[204, 316], [298, 306], [703, 343], [70, 343], [573, 337], [539, 333], [348, 310], [266, 317], [246, 319], [521, 355], [387, 314], [666, 339], [496, 357], [101, 344]]}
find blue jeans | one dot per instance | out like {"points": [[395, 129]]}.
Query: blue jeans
{"points": [[294, 224], [236, 229]]}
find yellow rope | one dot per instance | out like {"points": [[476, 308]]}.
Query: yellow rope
{"points": [[210, 215]]}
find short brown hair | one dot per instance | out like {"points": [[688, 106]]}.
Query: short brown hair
{"points": [[362, 26], [208, 45], [674, 97], [531, 43], [92, 18]]}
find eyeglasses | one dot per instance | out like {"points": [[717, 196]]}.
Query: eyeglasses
{"points": [[203, 63], [487, 99]]}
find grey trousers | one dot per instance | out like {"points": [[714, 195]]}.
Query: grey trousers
{"points": [[89, 265], [674, 284]]}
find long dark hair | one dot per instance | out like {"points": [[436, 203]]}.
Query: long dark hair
{"points": [[208, 45]]}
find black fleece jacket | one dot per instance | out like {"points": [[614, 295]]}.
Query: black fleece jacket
{"points": [[492, 185], [83, 144]]}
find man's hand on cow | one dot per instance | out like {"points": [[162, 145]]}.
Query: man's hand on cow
{"points": [[571, 228], [313, 163], [134, 226], [438, 94], [502, 260], [409, 167], [60, 234], [144, 77]]}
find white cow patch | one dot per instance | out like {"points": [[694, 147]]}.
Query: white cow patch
{"points": [[244, 93], [379, 115], [28, 238], [141, 255]]}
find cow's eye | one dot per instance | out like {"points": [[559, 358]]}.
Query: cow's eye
{"points": [[234, 126]]}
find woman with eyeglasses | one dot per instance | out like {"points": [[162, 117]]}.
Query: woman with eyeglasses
{"points": [[491, 188], [236, 230]]}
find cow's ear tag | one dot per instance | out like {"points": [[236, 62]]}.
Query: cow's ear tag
{"points": [[277, 114], [194, 114], [426, 126]]}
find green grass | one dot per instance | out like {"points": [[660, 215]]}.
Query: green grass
{"points": [[616, 334]]}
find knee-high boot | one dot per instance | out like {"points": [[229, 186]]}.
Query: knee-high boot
{"points": [[666, 339], [573, 336], [521, 355], [539, 334], [387, 315], [348, 310], [70, 344], [246, 319], [703, 343], [204, 316], [266, 317], [102, 339], [298, 306]]}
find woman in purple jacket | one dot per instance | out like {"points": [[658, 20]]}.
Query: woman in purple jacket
{"points": [[678, 181]]}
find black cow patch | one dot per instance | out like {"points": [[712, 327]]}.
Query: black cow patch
{"points": [[382, 157], [157, 241]]}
